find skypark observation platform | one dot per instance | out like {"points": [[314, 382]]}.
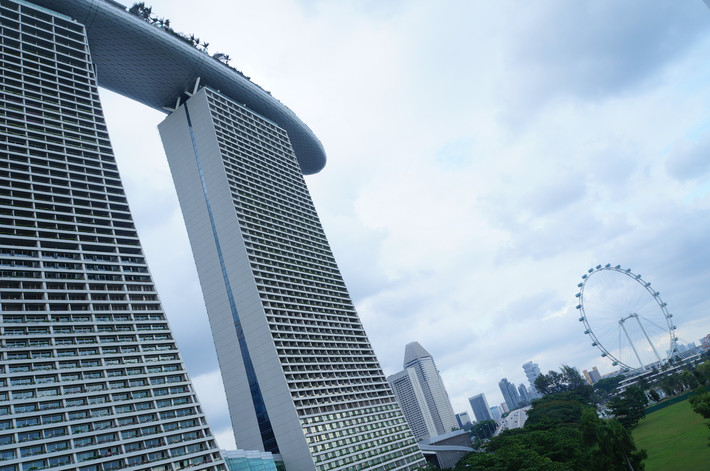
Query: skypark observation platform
{"points": [[140, 61]]}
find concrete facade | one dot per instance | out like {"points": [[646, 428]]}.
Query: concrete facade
{"points": [[436, 402], [410, 397], [444, 451], [90, 376], [301, 377]]}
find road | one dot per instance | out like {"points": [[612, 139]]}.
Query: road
{"points": [[516, 419]]}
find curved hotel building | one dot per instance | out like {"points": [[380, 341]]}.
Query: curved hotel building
{"points": [[90, 377]]}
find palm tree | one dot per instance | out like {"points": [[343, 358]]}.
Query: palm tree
{"points": [[223, 58], [141, 11]]}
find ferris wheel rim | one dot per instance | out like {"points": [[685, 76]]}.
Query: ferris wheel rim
{"points": [[647, 286]]}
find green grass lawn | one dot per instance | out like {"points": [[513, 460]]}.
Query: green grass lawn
{"points": [[675, 438]]}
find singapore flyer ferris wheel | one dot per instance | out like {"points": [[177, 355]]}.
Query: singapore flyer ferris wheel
{"points": [[625, 318]]}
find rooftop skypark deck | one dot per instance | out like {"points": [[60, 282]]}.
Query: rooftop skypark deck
{"points": [[145, 63]]}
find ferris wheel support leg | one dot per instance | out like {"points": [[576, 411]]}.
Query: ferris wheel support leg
{"points": [[621, 323], [648, 339]]}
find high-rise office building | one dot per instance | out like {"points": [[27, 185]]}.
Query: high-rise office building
{"points": [[595, 375], [300, 374], [409, 394], [592, 376], [510, 394], [587, 377], [532, 371], [525, 396], [496, 412], [420, 392], [421, 361], [705, 343], [90, 376], [480, 408], [464, 421]]}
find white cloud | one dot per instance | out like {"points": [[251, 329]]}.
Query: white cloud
{"points": [[482, 156]]}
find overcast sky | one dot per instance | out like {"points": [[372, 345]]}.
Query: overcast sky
{"points": [[481, 157]]}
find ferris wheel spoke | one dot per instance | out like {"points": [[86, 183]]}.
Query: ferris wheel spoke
{"points": [[654, 324]]}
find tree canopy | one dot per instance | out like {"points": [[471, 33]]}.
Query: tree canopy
{"points": [[629, 407], [608, 385], [575, 439], [562, 433], [701, 403], [567, 379], [484, 429]]}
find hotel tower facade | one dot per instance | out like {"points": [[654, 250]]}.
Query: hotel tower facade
{"points": [[90, 377]]}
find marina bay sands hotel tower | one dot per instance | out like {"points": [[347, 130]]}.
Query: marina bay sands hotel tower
{"points": [[90, 376]]}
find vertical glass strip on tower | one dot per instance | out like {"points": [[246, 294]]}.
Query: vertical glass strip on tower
{"points": [[267, 271], [90, 377]]}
